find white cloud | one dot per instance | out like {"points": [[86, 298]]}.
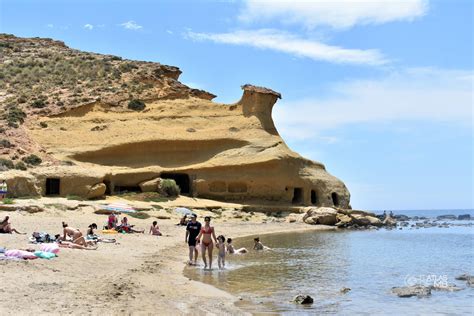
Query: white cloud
{"points": [[417, 94], [337, 14], [169, 32], [294, 45], [88, 26], [131, 25], [50, 25]]}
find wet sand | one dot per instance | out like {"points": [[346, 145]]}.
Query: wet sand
{"points": [[140, 275]]}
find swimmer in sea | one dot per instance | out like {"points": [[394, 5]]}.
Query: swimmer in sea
{"points": [[232, 250], [258, 245]]}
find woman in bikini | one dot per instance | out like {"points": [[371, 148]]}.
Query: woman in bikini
{"points": [[207, 233], [75, 234], [6, 227]]}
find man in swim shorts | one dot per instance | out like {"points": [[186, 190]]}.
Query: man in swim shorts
{"points": [[192, 231]]}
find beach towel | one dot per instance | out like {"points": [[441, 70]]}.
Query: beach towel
{"points": [[44, 254], [52, 248], [20, 254]]}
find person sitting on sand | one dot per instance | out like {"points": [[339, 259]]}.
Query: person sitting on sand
{"points": [[155, 230], [75, 234], [91, 235], [183, 221], [222, 249], [206, 233], [231, 249], [6, 227], [258, 245], [112, 221], [126, 227]]}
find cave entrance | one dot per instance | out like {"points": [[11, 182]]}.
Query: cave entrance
{"points": [[335, 199], [122, 189], [108, 187], [314, 197], [181, 179], [297, 196], [53, 186]]}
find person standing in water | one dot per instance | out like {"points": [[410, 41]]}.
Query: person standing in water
{"points": [[192, 231], [222, 249], [208, 234]]}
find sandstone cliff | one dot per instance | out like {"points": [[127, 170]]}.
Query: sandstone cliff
{"points": [[82, 129]]}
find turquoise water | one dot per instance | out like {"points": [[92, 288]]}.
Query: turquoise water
{"points": [[369, 262]]}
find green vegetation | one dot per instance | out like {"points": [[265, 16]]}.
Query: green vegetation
{"points": [[20, 165], [7, 163], [8, 201], [136, 105], [5, 143], [38, 104], [169, 187], [32, 160], [15, 116], [43, 124], [139, 215], [74, 197]]}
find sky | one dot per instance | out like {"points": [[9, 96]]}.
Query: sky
{"points": [[381, 92]]}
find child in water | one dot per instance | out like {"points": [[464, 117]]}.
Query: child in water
{"points": [[232, 250], [258, 245], [221, 255]]}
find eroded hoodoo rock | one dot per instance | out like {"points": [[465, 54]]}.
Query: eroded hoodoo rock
{"points": [[227, 152]]}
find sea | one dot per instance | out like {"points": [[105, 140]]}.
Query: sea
{"points": [[369, 262]]}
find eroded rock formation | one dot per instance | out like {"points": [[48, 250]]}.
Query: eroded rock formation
{"points": [[212, 150]]}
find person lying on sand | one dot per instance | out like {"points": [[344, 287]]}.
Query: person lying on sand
{"points": [[71, 245], [231, 249], [126, 227], [75, 234], [258, 245], [6, 227], [155, 230]]}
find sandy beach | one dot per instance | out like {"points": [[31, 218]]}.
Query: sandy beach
{"points": [[140, 275]]}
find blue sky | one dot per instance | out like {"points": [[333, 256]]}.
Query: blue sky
{"points": [[381, 92]]}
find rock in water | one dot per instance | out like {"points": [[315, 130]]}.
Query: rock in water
{"points": [[409, 291], [345, 290], [303, 299], [446, 217], [466, 277], [447, 288], [464, 217]]}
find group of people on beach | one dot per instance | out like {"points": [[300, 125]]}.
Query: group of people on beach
{"points": [[197, 236], [204, 237]]}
